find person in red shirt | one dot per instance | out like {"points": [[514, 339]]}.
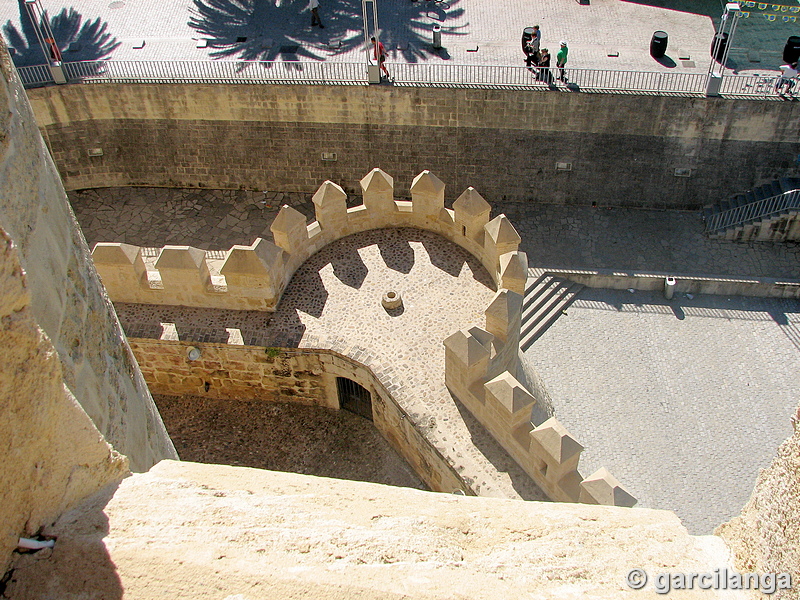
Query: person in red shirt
{"points": [[380, 55]]}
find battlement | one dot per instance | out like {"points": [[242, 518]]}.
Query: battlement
{"points": [[480, 364], [254, 277], [548, 453]]}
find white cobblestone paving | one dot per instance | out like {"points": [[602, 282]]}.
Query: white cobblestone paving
{"points": [[683, 401]]}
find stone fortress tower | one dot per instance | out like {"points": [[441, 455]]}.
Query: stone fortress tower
{"points": [[82, 419]]}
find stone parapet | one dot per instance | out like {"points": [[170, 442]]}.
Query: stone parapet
{"points": [[254, 277], [549, 454]]}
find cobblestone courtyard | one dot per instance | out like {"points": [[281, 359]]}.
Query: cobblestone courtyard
{"points": [[683, 401]]}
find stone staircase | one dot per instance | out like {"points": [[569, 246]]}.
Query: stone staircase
{"points": [[770, 212], [546, 297]]}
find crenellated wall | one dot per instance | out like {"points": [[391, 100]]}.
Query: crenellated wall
{"points": [[254, 277], [480, 364]]}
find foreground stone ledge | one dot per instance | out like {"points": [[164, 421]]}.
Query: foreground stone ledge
{"points": [[207, 531]]}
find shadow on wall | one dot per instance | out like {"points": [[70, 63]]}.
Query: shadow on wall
{"points": [[80, 549], [265, 30], [77, 39]]}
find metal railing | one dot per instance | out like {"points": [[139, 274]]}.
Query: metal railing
{"points": [[319, 72], [761, 209], [405, 74], [37, 75]]}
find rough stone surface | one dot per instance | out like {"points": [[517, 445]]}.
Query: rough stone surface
{"points": [[199, 531], [764, 538], [623, 149], [52, 455], [67, 299]]}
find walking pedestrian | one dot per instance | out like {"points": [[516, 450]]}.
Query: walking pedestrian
{"points": [[788, 73], [561, 61], [536, 39], [380, 55], [315, 20], [544, 67], [532, 48]]}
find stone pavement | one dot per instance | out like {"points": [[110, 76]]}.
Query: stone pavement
{"points": [[684, 401], [602, 34], [553, 236]]}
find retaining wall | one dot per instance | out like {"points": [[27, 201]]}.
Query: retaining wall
{"points": [[621, 150], [290, 375]]}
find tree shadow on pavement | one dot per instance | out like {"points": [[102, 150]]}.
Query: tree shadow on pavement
{"points": [[265, 30], [77, 39], [409, 31]]}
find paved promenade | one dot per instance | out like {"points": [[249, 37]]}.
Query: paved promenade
{"points": [[602, 34], [684, 401]]}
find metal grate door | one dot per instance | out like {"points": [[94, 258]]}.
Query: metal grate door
{"points": [[354, 397]]}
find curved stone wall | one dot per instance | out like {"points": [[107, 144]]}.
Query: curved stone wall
{"points": [[481, 365]]}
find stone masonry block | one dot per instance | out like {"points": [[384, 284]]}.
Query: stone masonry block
{"points": [[468, 346], [471, 214], [378, 192], [183, 267], [427, 194], [330, 206], [510, 394], [514, 271], [601, 487], [501, 236], [254, 270], [503, 315], [120, 267], [289, 230], [467, 354], [552, 443]]}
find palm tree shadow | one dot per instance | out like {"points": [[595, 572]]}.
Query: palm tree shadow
{"points": [[265, 30], [77, 39], [410, 29]]}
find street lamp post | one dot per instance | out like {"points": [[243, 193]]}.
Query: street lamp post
{"points": [[723, 40], [41, 25], [369, 8]]}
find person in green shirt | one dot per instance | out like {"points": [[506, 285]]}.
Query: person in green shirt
{"points": [[561, 60]]}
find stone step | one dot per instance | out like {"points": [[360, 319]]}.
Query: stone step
{"points": [[538, 282], [730, 231]]}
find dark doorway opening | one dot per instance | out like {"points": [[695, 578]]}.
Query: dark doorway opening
{"points": [[354, 397]]}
